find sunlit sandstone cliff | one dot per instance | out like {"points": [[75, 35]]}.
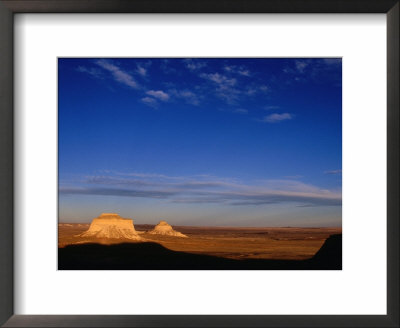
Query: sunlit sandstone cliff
{"points": [[111, 225], [163, 228]]}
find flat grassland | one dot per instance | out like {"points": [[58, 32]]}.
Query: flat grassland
{"points": [[227, 242]]}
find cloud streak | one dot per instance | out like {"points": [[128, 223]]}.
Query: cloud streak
{"points": [[224, 87], [188, 96], [94, 72], [118, 74], [301, 65], [159, 94], [239, 70], [219, 79], [241, 111], [275, 118], [149, 102], [334, 172], [194, 64], [230, 198], [141, 70], [206, 189], [116, 192]]}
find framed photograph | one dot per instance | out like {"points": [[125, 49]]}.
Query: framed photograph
{"points": [[211, 174], [203, 164]]}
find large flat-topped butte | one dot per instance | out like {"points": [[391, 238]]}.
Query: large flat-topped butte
{"points": [[111, 225]]}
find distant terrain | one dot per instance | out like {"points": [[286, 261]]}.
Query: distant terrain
{"points": [[214, 247]]}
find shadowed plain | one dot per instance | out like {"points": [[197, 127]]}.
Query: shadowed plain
{"points": [[153, 256]]}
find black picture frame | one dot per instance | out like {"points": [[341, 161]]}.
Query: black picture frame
{"points": [[10, 7]]}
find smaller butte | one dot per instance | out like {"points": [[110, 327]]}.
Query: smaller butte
{"points": [[111, 226], [163, 228]]}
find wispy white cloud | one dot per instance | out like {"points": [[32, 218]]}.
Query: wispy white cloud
{"points": [[241, 111], [229, 68], [224, 87], [116, 192], [244, 73], [297, 68], [219, 79], [240, 70], [255, 89], [194, 64], [271, 107], [288, 70], [145, 175], [207, 189], [332, 61], [310, 70], [116, 181], [118, 74], [292, 185], [177, 183], [188, 96], [301, 65], [230, 95], [263, 88], [297, 176], [334, 172], [94, 72], [167, 68], [232, 86], [159, 94], [276, 117], [150, 102], [141, 70], [251, 91]]}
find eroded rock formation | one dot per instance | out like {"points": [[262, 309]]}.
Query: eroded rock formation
{"points": [[163, 228], [111, 225]]}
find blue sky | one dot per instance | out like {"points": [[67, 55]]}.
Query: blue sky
{"points": [[220, 141]]}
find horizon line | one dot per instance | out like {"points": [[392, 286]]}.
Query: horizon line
{"points": [[211, 226]]}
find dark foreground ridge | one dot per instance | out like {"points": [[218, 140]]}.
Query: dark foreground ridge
{"points": [[153, 256]]}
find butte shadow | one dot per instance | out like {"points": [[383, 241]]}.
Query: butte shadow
{"points": [[153, 256]]}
